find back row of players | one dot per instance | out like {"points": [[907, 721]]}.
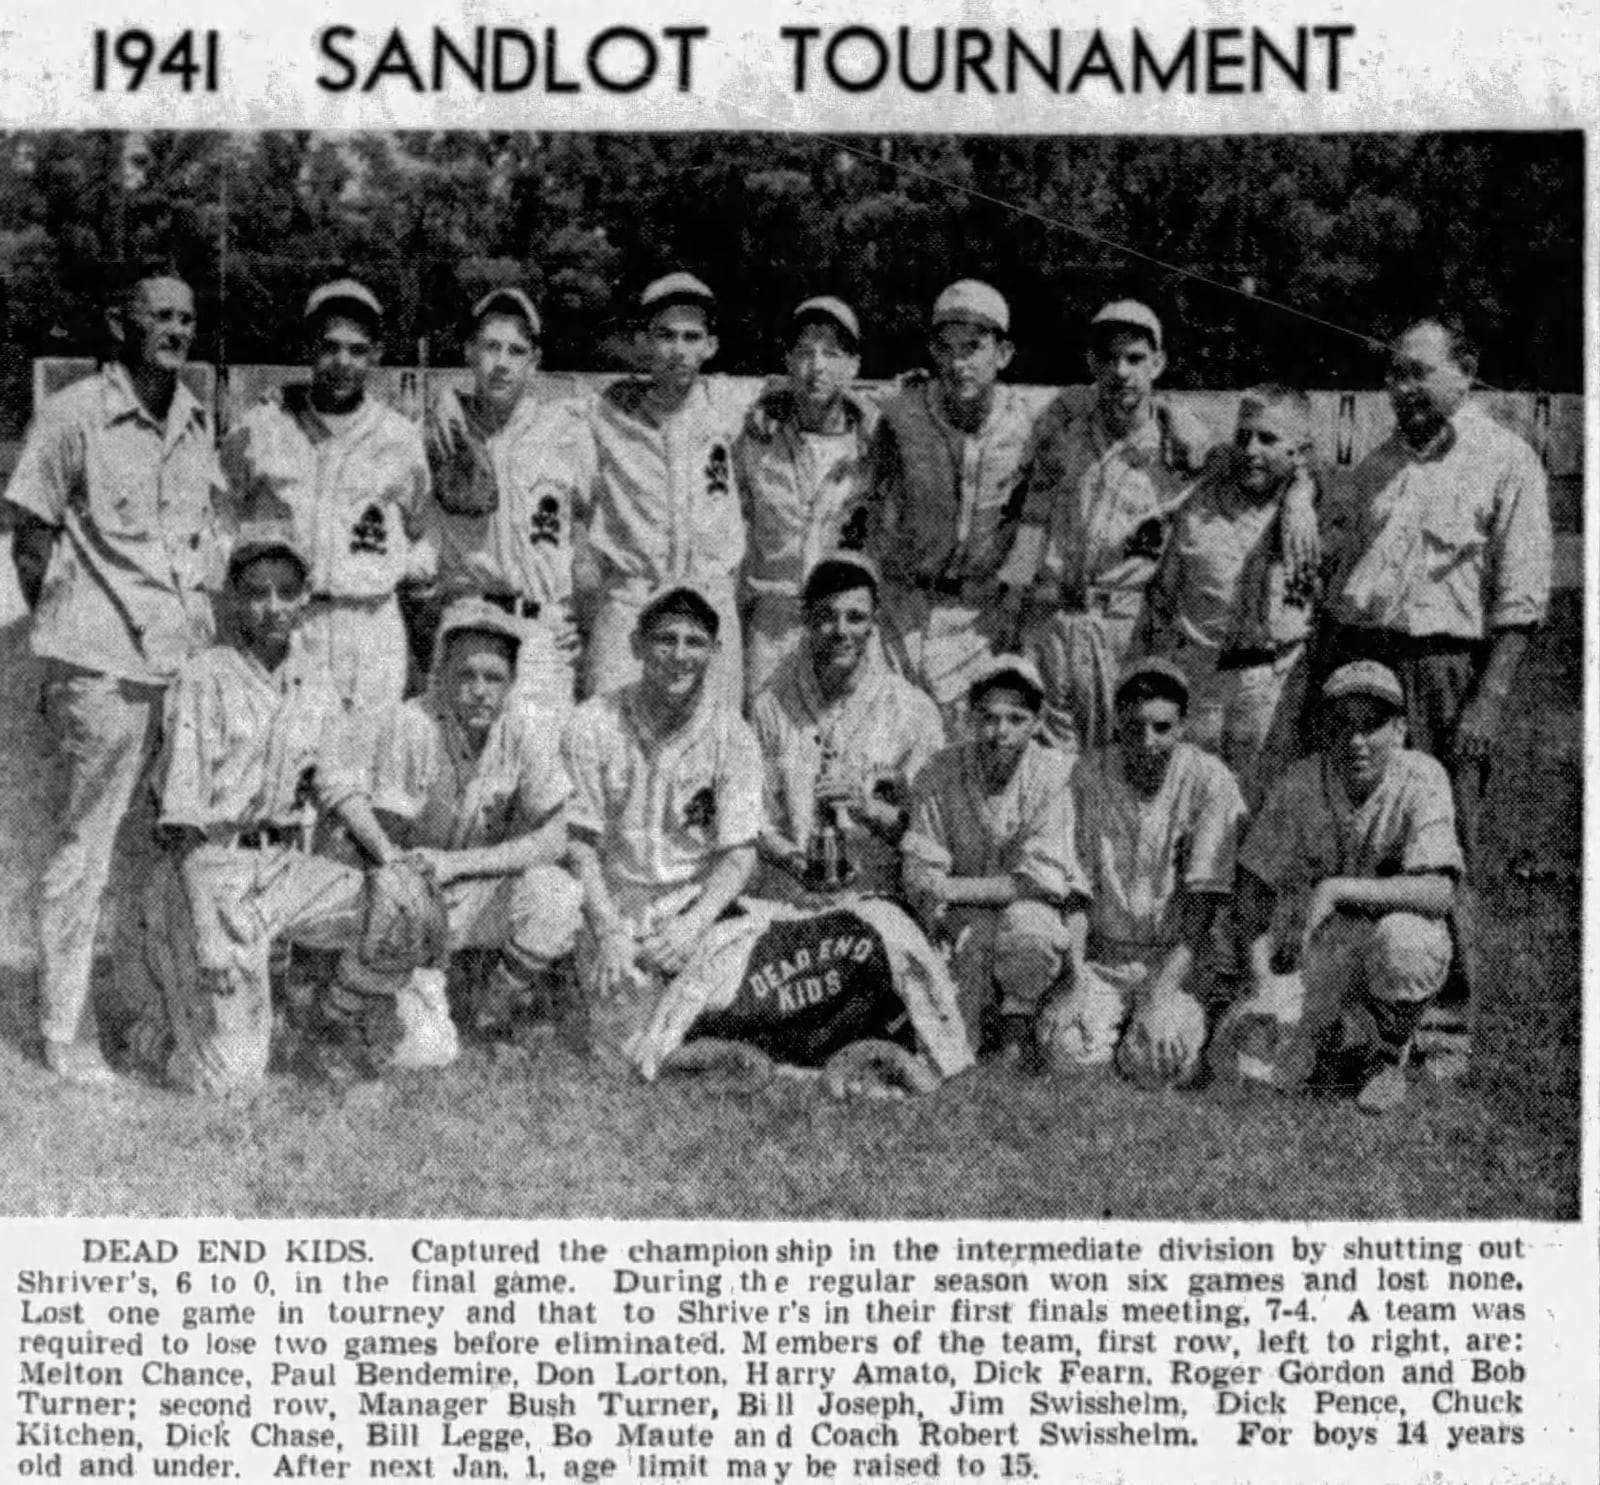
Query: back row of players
{"points": [[865, 575]]}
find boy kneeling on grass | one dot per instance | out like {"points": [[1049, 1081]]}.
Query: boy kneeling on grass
{"points": [[1347, 882]]}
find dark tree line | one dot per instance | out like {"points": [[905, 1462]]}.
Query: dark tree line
{"points": [[1357, 232]]}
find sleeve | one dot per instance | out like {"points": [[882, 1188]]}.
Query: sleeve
{"points": [[585, 469], [739, 792], [415, 487], [182, 774], [926, 839], [1432, 841], [1219, 815], [50, 467], [1047, 861], [1520, 546], [769, 742], [542, 782], [1270, 852], [583, 752], [927, 737], [404, 753]]}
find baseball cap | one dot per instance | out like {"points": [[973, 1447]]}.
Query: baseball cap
{"points": [[675, 288], [969, 300], [1365, 678], [833, 311], [839, 572], [1129, 314], [475, 616], [1014, 670], [265, 538], [347, 294], [1153, 677], [509, 300], [683, 598]]}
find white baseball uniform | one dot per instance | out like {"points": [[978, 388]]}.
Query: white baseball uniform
{"points": [[1096, 511], [1221, 607], [538, 472], [880, 734], [1024, 832], [666, 509], [356, 487], [805, 495], [125, 600], [1140, 856], [660, 811]]}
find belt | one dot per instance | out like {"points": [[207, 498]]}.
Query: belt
{"points": [[1247, 657], [254, 837], [1360, 642], [511, 603], [1092, 602]]}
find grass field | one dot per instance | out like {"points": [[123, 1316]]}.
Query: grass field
{"points": [[508, 1133]]}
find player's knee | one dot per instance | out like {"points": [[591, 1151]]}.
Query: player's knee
{"points": [[1027, 952], [1410, 957], [547, 908]]}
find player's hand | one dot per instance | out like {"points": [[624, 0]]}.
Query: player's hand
{"points": [[1166, 1027], [1302, 542], [668, 946], [442, 864], [619, 960], [1324, 902], [1478, 729], [445, 428]]}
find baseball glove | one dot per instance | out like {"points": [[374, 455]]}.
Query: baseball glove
{"points": [[405, 925], [463, 480], [878, 1070]]}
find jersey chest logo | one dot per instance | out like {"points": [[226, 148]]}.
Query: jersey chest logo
{"points": [[545, 525], [719, 480], [700, 813], [371, 532]]}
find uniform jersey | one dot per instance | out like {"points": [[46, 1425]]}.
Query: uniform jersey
{"points": [[1139, 854], [540, 470], [661, 810], [1222, 583], [1097, 505], [125, 593], [805, 494], [947, 499], [666, 503], [247, 746], [1025, 831], [1310, 829], [1450, 541], [882, 733], [425, 774], [356, 488]]}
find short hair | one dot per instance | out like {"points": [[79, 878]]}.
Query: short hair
{"points": [[830, 577], [1279, 394], [135, 275], [1460, 345], [1152, 686]]}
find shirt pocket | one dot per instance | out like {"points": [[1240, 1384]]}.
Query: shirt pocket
{"points": [[121, 484]]}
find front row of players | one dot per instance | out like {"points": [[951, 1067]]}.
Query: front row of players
{"points": [[1111, 907]]}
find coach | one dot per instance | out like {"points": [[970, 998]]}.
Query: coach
{"points": [[114, 543], [1443, 539]]}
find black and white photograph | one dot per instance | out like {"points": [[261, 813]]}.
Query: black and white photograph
{"points": [[792, 677]]}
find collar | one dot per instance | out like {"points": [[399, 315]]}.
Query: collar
{"points": [[296, 401], [643, 726], [870, 680], [119, 401], [1144, 441], [998, 408]]}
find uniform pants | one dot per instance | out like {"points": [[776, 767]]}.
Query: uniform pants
{"points": [[106, 731], [1014, 954], [1274, 1035], [940, 643], [611, 662], [1248, 715], [359, 646], [1080, 658], [1101, 1019], [532, 918]]}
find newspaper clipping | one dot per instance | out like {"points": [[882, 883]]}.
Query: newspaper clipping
{"points": [[794, 744]]}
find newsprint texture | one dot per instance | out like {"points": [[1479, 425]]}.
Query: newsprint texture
{"points": [[793, 744]]}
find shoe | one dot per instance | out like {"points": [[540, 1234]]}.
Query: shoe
{"points": [[1009, 1041], [1384, 1090], [335, 1053], [79, 1063], [428, 1036]]}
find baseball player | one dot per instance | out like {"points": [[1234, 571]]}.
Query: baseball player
{"points": [[951, 454], [842, 737], [1443, 546], [666, 506], [477, 788], [1157, 829], [1346, 883], [1108, 479], [991, 860], [512, 478], [352, 474], [664, 817], [804, 464], [253, 750], [1224, 606], [115, 543]]}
